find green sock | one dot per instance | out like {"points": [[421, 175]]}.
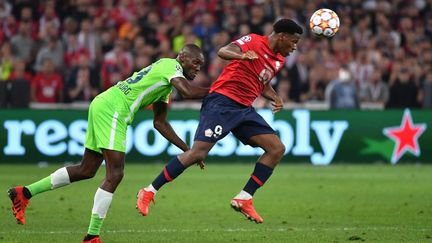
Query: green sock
{"points": [[95, 225], [40, 186]]}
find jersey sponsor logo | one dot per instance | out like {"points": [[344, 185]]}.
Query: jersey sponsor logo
{"points": [[266, 74]]}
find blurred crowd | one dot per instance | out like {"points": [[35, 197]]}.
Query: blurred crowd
{"points": [[71, 50]]}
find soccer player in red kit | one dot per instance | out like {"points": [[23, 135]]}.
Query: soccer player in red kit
{"points": [[255, 60]]}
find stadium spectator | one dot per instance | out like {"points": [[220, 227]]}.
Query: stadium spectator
{"points": [[149, 25], [186, 36], [206, 29], [6, 61], [70, 27], [5, 9], [49, 16], [47, 85], [257, 19], [19, 86], [52, 50], [22, 43], [116, 66], [376, 91], [19, 72], [361, 68], [9, 27], [283, 90], [341, 92], [26, 15], [73, 51], [81, 86], [297, 75], [90, 40], [83, 82], [403, 89]]}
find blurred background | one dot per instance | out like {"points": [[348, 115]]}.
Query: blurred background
{"points": [[63, 53], [56, 56], [359, 101]]}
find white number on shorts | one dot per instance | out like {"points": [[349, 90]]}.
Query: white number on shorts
{"points": [[218, 131]]}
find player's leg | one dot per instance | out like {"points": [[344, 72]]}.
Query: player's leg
{"points": [[171, 171], [273, 152], [255, 132], [218, 116], [21, 195], [114, 162]]}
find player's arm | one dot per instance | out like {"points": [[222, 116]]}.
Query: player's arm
{"points": [[233, 52], [187, 90], [160, 123], [270, 94]]}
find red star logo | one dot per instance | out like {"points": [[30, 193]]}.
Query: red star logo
{"points": [[405, 137]]}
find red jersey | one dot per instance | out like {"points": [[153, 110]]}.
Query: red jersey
{"points": [[244, 80], [47, 87]]}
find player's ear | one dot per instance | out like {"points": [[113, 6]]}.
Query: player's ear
{"points": [[180, 57], [282, 36]]}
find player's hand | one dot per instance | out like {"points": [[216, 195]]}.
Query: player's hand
{"points": [[249, 55], [201, 164], [277, 104]]}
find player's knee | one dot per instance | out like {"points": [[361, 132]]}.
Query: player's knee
{"points": [[86, 173], [192, 157], [116, 176], [278, 151], [199, 156]]}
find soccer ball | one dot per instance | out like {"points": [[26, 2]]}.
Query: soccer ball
{"points": [[324, 22]]}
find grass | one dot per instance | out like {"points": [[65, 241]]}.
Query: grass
{"points": [[300, 203]]}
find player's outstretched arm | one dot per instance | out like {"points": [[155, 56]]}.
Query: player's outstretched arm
{"points": [[270, 94], [187, 90], [160, 123], [233, 52]]}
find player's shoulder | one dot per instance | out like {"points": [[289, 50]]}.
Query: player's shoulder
{"points": [[168, 65], [166, 61], [250, 38]]}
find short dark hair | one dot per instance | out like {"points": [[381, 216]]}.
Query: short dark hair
{"points": [[191, 48], [287, 26]]}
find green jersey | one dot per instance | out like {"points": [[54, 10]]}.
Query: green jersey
{"points": [[145, 87]]}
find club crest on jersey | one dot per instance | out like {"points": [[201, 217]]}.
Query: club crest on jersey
{"points": [[208, 133], [244, 39]]}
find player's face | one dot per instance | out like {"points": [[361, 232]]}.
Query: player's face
{"points": [[288, 44], [192, 64]]}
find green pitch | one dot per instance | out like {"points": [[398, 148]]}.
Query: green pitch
{"points": [[300, 203]]}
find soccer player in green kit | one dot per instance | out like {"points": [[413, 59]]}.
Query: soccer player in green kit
{"points": [[109, 115]]}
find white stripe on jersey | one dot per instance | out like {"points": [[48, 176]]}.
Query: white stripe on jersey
{"points": [[140, 98], [240, 42]]}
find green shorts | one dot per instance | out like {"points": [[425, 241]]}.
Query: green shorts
{"points": [[106, 126]]}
